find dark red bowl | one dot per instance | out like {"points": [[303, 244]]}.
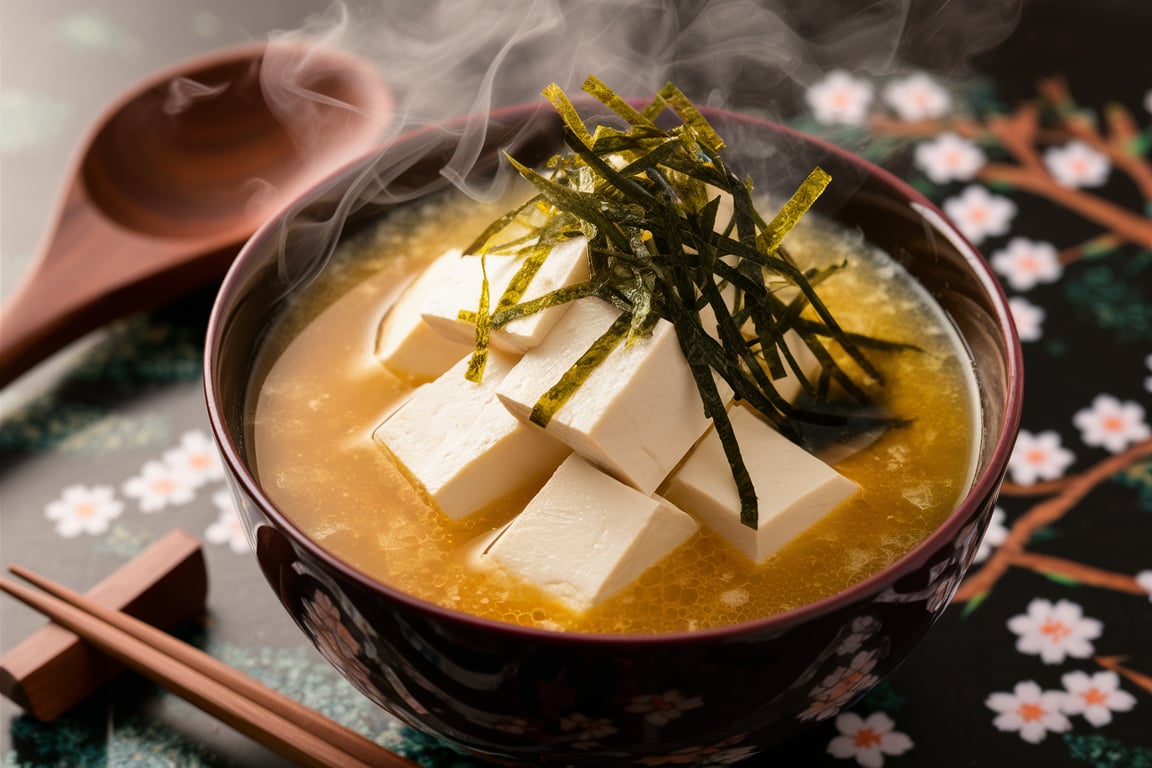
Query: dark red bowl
{"points": [[517, 694]]}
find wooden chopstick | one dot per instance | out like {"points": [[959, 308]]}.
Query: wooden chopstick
{"points": [[280, 723]]}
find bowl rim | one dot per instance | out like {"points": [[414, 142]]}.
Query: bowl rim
{"points": [[984, 485]]}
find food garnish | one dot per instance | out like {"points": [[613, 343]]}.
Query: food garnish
{"points": [[649, 199]]}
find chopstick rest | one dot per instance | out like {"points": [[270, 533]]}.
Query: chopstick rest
{"points": [[52, 670], [303, 735]]}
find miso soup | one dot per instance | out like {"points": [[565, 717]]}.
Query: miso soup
{"points": [[325, 393]]}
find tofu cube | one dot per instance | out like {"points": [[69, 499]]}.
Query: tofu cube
{"points": [[408, 346], [585, 536], [794, 489], [566, 264], [457, 441], [635, 416]]}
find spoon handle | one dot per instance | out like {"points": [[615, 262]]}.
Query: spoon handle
{"points": [[93, 272]]}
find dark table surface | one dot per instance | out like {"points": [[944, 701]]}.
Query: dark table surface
{"points": [[1040, 147]]}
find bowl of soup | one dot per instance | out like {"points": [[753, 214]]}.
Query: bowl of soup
{"points": [[588, 579]]}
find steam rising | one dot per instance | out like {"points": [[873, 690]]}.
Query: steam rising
{"points": [[445, 59], [183, 92]]}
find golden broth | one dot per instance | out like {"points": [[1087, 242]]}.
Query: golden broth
{"points": [[325, 393]]}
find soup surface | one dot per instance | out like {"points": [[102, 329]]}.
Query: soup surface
{"points": [[325, 393]]}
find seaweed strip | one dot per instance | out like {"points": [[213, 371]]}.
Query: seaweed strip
{"points": [[479, 359], [552, 400], [644, 199]]}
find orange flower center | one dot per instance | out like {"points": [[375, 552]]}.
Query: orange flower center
{"points": [[866, 738], [85, 510], [1094, 696], [1031, 711], [1113, 423], [1036, 456], [1055, 630]]}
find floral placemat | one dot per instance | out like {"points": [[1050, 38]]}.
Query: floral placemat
{"points": [[1044, 658]]}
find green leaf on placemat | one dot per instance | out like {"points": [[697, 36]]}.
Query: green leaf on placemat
{"points": [[972, 604], [44, 423], [142, 349], [1111, 294], [78, 428], [117, 433], [123, 541], [1139, 477], [884, 697], [82, 737], [1107, 753], [297, 673], [1060, 578]]}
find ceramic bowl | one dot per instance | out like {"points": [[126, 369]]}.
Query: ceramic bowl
{"points": [[542, 697]]}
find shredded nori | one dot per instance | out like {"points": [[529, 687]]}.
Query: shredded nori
{"points": [[647, 200]]}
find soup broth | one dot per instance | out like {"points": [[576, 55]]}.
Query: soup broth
{"points": [[325, 393]]}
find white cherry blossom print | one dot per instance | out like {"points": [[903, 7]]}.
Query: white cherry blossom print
{"points": [[660, 709], [863, 629], [228, 528], [516, 725], [993, 537], [1030, 711], [160, 485], [1055, 631], [1077, 165], [1096, 696], [841, 686], [588, 728], [1112, 424], [868, 739], [1028, 317], [980, 214], [917, 97], [840, 98], [949, 157], [1026, 263], [198, 455], [83, 509], [1038, 457], [1144, 581]]}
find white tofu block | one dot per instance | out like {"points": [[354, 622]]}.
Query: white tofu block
{"points": [[405, 344], [585, 536], [635, 416], [456, 440], [794, 489], [460, 290], [567, 264]]}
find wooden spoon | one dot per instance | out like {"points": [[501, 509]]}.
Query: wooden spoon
{"points": [[177, 174]]}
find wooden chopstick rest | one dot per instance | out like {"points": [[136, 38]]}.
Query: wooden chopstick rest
{"points": [[52, 670], [177, 664], [300, 746]]}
